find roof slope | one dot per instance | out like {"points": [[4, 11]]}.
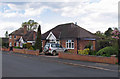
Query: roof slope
{"points": [[69, 30], [19, 31], [29, 36]]}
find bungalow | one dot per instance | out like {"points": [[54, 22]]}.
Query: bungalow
{"points": [[21, 36], [70, 36]]}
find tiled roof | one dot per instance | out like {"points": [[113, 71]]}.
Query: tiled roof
{"points": [[29, 36], [20, 32], [69, 30]]}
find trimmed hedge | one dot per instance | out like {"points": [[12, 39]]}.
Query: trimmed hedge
{"points": [[107, 51]]}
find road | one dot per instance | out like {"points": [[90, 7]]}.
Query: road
{"points": [[19, 65]]}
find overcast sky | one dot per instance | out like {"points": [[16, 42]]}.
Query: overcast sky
{"points": [[92, 15]]}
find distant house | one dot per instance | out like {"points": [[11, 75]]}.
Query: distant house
{"points": [[21, 36], [70, 36]]}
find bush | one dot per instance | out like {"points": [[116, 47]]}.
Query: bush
{"points": [[29, 45], [92, 52], [5, 45], [25, 46], [107, 51], [103, 43], [17, 47], [84, 52], [89, 45], [31, 48]]}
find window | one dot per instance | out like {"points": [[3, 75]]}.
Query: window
{"points": [[21, 45], [10, 44], [70, 44], [53, 45], [17, 44], [14, 44], [14, 37], [10, 36]]}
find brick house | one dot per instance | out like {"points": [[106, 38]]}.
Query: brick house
{"points": [[21, 36], [70, 36]]}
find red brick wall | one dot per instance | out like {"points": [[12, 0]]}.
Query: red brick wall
{"points": [[5, 49], [43, 42], [12, 40], [110, 60], [63, 43], [26, 51], [83, 43]]}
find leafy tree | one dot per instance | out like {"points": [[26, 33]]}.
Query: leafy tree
{"points": [[6, 34], [31, 25], [108, 32], [100, 34], [38, 43]]}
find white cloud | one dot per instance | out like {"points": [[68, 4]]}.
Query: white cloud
{"points": [[93, 16], [8, 26]]}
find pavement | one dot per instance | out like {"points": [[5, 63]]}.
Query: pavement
{"points": [[21, 65]]}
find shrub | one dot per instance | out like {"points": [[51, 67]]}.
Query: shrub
{"points": [[24, 45], [5, 45], [89, 45], [31, 48], [84, 52], [92, 52], [29, 45], [107, 51], [17, 47]]}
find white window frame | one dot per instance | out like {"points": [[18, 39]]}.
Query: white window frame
{"points": [[70, 42], [17, 44], [10, 44], [21, 45], [10, 37]]}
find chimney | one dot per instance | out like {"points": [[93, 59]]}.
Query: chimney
{"points": [[75, 23], [25, 29]]}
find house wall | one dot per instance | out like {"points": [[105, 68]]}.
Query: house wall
{"points": [[83, 43], [78, 45], [63, 43], [12, 40], [43, 44]]}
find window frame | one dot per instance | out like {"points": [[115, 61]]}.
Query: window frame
{"points": [[15, 37], [10, 44], [70, 44], [10, 37]]}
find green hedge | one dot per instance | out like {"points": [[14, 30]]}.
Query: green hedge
{"points": [[17, 47], [108, 51]]}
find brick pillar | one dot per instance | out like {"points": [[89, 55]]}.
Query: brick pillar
{"points": [[75, 46], [43, 42], [94, 45]]}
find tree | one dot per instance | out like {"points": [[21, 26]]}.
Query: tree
{"points": [[6, 34], [38, 43], [108, 32], [31, 25]]}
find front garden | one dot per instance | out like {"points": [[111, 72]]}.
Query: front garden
{"points": [[106, 45]]}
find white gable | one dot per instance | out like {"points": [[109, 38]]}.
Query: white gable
{"points": [[51, 36], [21, 40]]}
